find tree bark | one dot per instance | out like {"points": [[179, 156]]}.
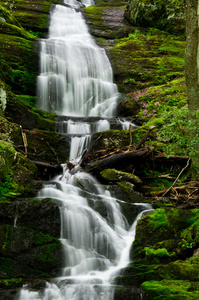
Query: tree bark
{"points": [[192, 53], [119, 160]]}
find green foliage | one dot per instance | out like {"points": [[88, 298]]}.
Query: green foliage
{"points": [[190, 236], [11, 283], [180, 133], [8, 188]]}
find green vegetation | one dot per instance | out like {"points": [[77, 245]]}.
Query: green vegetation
{"points": [[147, 58], [180, 133], [8, 189], [172, 289], [11, 283]]}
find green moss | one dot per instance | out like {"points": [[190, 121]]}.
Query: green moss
{"points": [[115, 175], [159, 253], [171, 289], [11, 283], [46, 255], [17, 69], [159, 218], [185, 270], [7, 17], [145, 64], [15, 30], [163, 227], [11, 268]]}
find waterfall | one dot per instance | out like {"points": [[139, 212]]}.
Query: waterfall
{"points": [[76, 80], [76, 75]]}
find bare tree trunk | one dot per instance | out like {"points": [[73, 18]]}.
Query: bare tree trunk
{"points": [[192, 53]]}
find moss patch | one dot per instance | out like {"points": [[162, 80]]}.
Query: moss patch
{"points": [[146, 59], [171, 289]]}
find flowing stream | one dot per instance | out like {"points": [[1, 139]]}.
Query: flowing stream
{"points": [[76, 81]]}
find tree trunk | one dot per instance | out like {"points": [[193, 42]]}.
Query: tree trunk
{"points": [[192, 53]]}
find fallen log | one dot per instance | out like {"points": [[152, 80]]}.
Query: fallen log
{"points": [[118, 160], [46, 170]]}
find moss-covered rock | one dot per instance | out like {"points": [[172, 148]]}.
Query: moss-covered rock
{"points": [[163, 258], [44, 146], [162, 225], [17, 172], [20, 110], [106, 19], [166, 15], [115, 175], [32, 249], [171, 289], [32, 15], [146, 58], [42, 215]]}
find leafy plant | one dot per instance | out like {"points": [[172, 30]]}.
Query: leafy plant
{"points": [[180, 133]]}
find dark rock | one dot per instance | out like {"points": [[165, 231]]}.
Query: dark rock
{"points": [[7, 295], [31, 249], [106, 20], [42, 215], [130, 293]]}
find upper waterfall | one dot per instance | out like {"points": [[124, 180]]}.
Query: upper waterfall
{"points": [[76, 77]]}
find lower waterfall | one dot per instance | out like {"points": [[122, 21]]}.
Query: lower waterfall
{"points": [[76, 80]]}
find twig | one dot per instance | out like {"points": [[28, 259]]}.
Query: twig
{"points": [[86, 150], [130, 133], [177, 178], [144, 137], [24, 141], [53, 151]]}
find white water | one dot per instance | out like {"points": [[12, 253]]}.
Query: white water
{"points": [[76, 77], [76, 80]]}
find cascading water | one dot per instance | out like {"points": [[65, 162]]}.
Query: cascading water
{"points": [[76, 76], [76, 80]]}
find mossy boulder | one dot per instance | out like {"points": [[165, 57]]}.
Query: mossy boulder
{"points": [[43, 146], [17, 68], [20, 109], [164, 227], [110, 139], [31, 249], [112, 175], [106, 19], [165, 15], [32, 15], [166, 257], [17, 172]]}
